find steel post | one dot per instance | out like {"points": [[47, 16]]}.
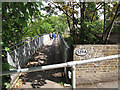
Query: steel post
{"points": [[73, 77]]}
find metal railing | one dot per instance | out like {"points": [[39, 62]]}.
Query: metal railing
{"points": [[21, 55], [63, 47], [23, 51], [24, 41], [68, 64]]}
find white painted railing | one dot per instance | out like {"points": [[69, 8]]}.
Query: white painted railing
{"points": [[68, 64]]}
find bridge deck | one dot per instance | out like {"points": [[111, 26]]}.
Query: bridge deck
{"points": [[48, 54]]}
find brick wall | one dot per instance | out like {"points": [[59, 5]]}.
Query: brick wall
{"points": [[99, 71]]}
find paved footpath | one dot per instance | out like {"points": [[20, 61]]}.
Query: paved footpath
{"points": [[110, 85], [46, 55]]}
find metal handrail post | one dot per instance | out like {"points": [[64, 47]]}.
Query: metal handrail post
{"points": [[73, 77]]}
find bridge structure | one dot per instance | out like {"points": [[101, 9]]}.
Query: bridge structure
{"points": [[42, 63], [38, 51]]}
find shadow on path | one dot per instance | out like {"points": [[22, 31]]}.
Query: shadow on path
{"points": [[46, 55]]}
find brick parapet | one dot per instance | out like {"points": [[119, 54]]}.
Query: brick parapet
{"points": [[98, 71]]}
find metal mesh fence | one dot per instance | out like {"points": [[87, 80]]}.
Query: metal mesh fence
{"points": [[63, 48], [64, 54], [20, 56]]}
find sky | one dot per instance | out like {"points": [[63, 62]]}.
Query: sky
{"points": [[101, 17]]}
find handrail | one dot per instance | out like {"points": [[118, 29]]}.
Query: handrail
{"points": [[23, 41], [68, 64], [63, 41], [20, 56], [64, 52], [54, 66]]}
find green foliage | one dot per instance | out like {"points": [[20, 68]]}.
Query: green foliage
{"points": [[57, 23], [16, 17], [84, 29], [116, 28], [47, 25], [6, 78], [87, 28], [7, 85], [68, 40], [89, 34], [21, 20], [61, 83], [7, 49], [5, 66], [37, 28], [90, 13]]}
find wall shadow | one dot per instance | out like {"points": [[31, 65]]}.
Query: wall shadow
{"points": [[44, 56]]}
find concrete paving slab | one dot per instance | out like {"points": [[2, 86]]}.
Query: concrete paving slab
{"points": [[111, 84], [51, 84]]}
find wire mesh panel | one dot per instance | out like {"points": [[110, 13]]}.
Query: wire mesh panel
{"points": [[20, 56], [63, 52], [63, 48], [11, 58]]}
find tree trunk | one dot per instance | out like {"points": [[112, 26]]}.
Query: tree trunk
{"points": [[69, 25], [73, 31], [111, 25], [82, 20], [104, 23]]}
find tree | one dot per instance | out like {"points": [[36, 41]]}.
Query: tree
{"points": [[81, 28], [112, 16], [15, 17], [47, 25]]}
